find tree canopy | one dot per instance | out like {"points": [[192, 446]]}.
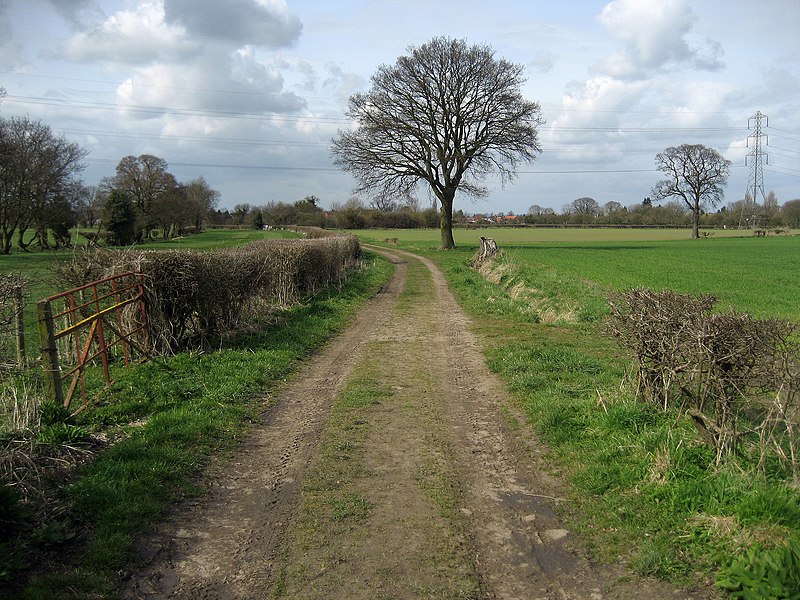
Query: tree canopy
{"points": [[447, 114], [696, 174]]}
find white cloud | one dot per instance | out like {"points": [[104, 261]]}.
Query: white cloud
{"points": [[131, 37], [592, 110], [231, 82], [342, 83], [653, 35]]}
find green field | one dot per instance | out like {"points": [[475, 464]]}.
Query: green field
{"points": [[756, 275], [532, 235]]}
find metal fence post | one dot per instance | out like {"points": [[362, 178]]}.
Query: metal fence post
{"points": [[50, 364]]}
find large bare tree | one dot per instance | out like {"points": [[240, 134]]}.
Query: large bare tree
{"points": [[696, 174], [448, 114], [147, 181], [37, 172]]}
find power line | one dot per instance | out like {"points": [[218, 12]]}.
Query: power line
{"points": [[42, 101], [230, 166], [193, 138], [784, 131], [783, 170]]}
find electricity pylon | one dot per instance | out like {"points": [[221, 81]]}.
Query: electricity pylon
{"points": [[755, 160]]}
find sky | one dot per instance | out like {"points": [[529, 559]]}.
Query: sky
{"points": [[249, 93]]}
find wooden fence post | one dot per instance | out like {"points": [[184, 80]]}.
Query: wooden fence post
{"points": [[20, 301], [50, 364]]}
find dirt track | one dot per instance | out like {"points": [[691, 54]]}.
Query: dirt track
{"points": [[445, 417]]}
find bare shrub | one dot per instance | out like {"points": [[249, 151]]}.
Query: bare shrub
{"points": [[88, 264], [721, 368], [658, 328]]}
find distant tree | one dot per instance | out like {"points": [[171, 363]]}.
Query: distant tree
{"points": [[586, 206], [173, 211], [119, 218], [383, 203], [37, 173], [258, 220], [535, 210], [410, 203], [696, 174], [240, 212], [446, 115], [612, 207], [144, 179], [791, 213], [351, 214], [429, 218], [280, 213], [309, 212], [308, 204], [771, 205], [64, 211], [203, 199]]}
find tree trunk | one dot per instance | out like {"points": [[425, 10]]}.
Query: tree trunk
{"points": [[446, 221], [5, 240], [696, 220]]}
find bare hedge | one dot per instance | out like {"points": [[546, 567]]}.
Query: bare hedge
{"points": [[733, 374], [193, 296]]}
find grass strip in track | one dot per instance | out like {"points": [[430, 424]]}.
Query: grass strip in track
{"points": [[379, 514]]}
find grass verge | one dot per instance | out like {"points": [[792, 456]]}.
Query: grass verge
{"points": [[168, 417]]}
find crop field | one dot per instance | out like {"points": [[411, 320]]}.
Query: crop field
{"points": [[756, 275]]}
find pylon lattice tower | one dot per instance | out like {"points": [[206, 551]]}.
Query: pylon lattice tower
{"points": [[755, 160]]}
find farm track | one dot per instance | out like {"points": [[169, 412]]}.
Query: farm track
{"points": [[445, 415]]}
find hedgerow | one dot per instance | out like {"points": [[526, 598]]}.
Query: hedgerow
{"points": [[736, 376], [192, 297]]}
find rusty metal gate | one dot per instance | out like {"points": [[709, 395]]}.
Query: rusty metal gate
{"points": [[93, 328]]}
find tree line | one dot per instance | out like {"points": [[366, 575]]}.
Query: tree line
{"points": [[42, 195], [740, 213]]}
